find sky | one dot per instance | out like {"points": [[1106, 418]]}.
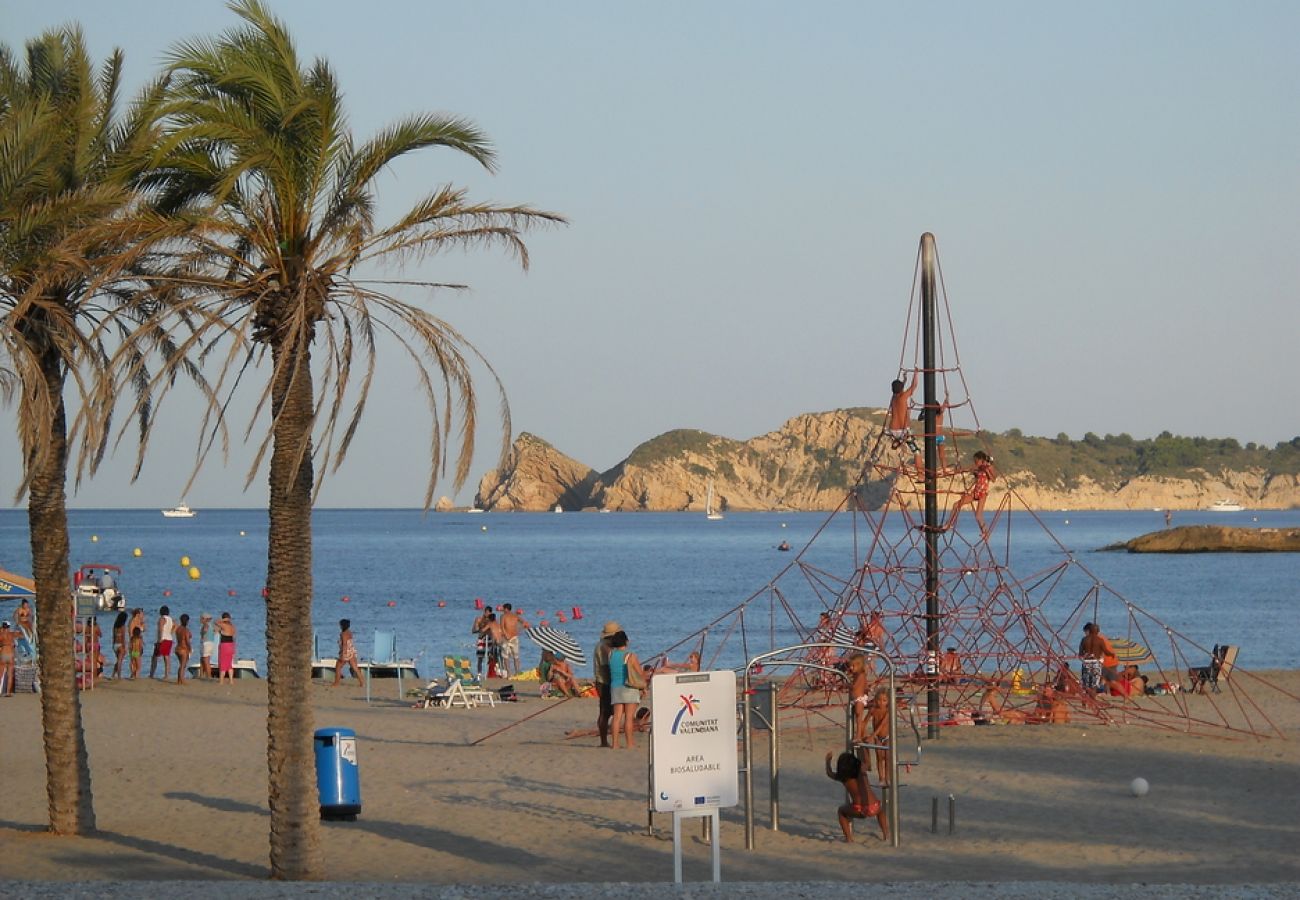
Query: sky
{"points": [[1113, 188]]}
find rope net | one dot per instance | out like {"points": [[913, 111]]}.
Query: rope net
{"points": [[1009, 621]]}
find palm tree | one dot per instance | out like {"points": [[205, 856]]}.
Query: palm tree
{"points": [[64, 170], [259, 162]]}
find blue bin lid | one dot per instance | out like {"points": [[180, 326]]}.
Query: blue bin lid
{"points": [[335, 732]]}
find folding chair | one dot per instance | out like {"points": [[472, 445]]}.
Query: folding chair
{"points": [[383, 659]]}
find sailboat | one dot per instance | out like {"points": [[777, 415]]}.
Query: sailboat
{"points": [[709, 512]]}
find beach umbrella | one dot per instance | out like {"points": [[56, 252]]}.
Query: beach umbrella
{"points": [[1130, 652], [558, 642]]}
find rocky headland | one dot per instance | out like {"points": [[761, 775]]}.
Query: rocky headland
{"points": [[1214, 539], [813, 460]]}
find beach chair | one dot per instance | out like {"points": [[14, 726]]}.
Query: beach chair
{"points": [[383, 659], [460, 675], [1222, 659], [321, 667]]}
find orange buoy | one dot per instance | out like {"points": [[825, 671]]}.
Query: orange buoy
{"points": [[345, 599], [560, 617], [230, 593], [392, 602], [544, 622], [478, 602], [541, 612], [441, 604], [577, 613], [167, 593], [266, 592]]}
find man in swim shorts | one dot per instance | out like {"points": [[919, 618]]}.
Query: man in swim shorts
{"points": [[163, 647], [511, 622]]}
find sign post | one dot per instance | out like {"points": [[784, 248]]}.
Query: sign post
{"points": [[694, 744]]}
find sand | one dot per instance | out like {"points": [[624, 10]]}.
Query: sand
{"points": [[180, 794]]}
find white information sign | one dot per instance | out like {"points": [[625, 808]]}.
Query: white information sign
{"points": [[694, 740]]}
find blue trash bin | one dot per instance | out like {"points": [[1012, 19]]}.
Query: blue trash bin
{"points": [[338, 776]]}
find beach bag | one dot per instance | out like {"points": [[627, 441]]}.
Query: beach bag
{"points": [[634, 677]]}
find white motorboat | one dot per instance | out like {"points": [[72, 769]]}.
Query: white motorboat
{"points": [[1226, 506], [179, 511], [558, 508]]}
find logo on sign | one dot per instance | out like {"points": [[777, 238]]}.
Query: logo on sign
{"points": [[689, 707]]}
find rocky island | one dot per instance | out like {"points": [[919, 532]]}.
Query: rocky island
{"points": [[811, 461], [1214, 539]]}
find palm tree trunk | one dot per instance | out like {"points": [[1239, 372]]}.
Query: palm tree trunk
{"points": [[295, 810], [67, 764]]}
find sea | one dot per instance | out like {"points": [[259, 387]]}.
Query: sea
{"points": [[662, 576]]}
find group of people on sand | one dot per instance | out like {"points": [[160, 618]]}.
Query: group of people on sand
{"points": [[497, 641], [173, 637], [898, 427]]}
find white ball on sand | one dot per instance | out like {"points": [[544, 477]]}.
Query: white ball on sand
{"points": [[1139, 787]]}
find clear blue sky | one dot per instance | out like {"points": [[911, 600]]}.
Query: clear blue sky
{"points": [[1114, 188]]}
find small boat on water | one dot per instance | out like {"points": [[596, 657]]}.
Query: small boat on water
{"points": [[95, 589], [558, 508], [179, 511], [1226, 506], [709, 512]]}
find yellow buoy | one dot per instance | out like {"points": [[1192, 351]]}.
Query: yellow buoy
{"points": [[137, 552], [194, 573], [94, 539], [185, 560], [241, 534]]}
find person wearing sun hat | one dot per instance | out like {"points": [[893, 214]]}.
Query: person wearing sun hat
{"points": [[600, 674]]}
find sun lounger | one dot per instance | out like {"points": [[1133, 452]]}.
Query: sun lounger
{"points": [[1222, 659]]}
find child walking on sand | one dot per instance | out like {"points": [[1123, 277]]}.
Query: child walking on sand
{"points": [[862, 801]]}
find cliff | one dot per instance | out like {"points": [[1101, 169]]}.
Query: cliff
{"points": [[811, 461]]}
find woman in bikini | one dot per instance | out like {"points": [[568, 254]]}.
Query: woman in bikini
{"points": [[119, 642], [182, 638], [862, 801], [347, 655]]}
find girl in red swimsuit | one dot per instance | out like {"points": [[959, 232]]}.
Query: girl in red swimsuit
{"points": [[978, 492], [862, 801]]}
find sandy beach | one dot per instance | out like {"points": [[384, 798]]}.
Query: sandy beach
{"points": [[180, 794]]}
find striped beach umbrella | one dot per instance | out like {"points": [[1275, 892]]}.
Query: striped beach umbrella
{"points": [[558, 642], [1130, 652]]}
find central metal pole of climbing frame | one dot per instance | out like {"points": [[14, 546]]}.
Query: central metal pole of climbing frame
{"points": [[929, 328]]}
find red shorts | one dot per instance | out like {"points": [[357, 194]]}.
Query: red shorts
{"points": [[164, 648]]}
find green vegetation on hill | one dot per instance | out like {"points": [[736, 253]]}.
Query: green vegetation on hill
{"points": [[674, 444], [1114, 459]]}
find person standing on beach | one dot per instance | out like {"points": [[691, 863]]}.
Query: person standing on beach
{"points": [[225, 649], [136, 651], [8, 654], [207, 645], [23, 616], [1100, 664], [511, 622], [119, 642], [163, 645], [623, 698], [481, 636], [347, 655], [600, 674], [183, 640]]}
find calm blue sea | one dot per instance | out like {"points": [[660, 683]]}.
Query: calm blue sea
{"points": [[662, 575]]}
